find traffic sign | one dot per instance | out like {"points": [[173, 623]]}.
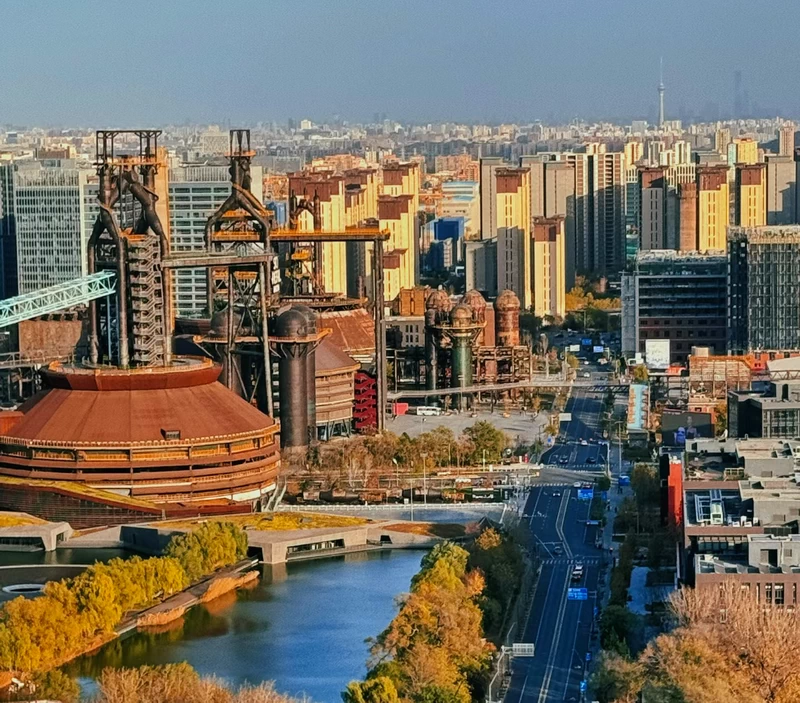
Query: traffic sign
{"points": [[577, 594], [585, 493], [588, 656], [522, 649], [584, 686]]}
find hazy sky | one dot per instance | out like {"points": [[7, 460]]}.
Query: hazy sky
{"points": [[151, 62]]}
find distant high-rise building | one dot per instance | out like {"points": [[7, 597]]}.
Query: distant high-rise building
{"points": [[674, 296], [195, 193], [746, 151], [722, 140], [548, 275], [488, 196], [781, 190], [608, 249], [330, 191], [584, 207], [713, 207], [634, 151], [786, 140], [687, 217], [652, 208], [750, 195], [513, 210], [396, 213], [402, 180], [553, 195], [8, 233], [763, 300], [50, 223]]}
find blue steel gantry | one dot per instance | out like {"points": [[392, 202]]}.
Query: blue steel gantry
{"points": [[78, 291]]}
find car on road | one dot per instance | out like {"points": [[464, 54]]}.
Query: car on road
{"points": [[563, 460], [590, 460], [556, 494], [577, 484], [577, 573], [587, 375], [584, 443], [557, 550]]}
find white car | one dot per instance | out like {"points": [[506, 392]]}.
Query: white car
{"points": [[584, 443]]}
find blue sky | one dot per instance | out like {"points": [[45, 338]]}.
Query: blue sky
{"points": [[86, 62]]}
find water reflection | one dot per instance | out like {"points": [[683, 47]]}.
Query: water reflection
{"points": [[303, 625]]}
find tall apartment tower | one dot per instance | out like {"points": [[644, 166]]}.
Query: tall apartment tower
{"points": [[687, 217], [488, 166], [549, 273], [750, 195], [513, 211], [360, 204], [722, 140], [584, 205], [781, 190], [397, 214], [329, 189], [8, 232], [195, 193], [713, 207], [746, 151], [401, 181], [763, 302], [652, 208], [553, 195], [50, 224], [786, 140], [608, 227]]}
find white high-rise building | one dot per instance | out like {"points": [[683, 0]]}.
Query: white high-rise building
{"points": [[50, 224], [195, 192]]}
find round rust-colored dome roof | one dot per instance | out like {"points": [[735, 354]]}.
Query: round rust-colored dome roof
{"points": [[507, 300], [292, 323], [311, 316], [438, 300], [461, 315], [476, 301]]}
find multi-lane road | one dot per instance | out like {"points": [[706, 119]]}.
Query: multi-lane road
{"points": [[561, 629]]}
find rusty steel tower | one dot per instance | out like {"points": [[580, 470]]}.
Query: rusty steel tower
{"points": [[135, 329]]}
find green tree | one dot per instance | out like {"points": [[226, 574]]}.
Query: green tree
{"points": [[616, 623], [720, 418], [380, 689], [485, 437], [572, 360]]}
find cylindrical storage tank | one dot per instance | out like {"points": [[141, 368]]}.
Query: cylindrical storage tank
{"points": [[431, 351], [461, 319], [311, 370], [507, 307], [291, 325], [477, 304]]}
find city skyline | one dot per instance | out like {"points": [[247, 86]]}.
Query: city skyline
{"points": [[450, 63]]}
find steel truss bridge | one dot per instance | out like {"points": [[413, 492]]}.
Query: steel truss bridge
{"points": [[78, 291]]}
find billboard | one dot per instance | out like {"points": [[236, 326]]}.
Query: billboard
{"points": [[565, 417], [598, 350], [656, 353], [677, 428], [574, 347]]}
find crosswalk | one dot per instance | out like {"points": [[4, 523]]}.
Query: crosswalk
{"points": [[579, 468], [556, 561]]}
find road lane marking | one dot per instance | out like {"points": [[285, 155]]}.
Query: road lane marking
{"points": [[544, 690]]}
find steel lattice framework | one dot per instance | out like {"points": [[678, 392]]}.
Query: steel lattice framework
{"points": [[78, 291]]}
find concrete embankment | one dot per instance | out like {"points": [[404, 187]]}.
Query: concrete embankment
{"points": [[173, 608]]}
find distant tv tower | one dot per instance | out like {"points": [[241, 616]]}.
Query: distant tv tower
{"points": [[661, 95]]}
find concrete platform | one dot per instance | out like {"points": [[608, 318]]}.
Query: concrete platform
{"points": [[20, 532]]}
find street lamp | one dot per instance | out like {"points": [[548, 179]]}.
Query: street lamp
{"points": [[424, 456]]}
